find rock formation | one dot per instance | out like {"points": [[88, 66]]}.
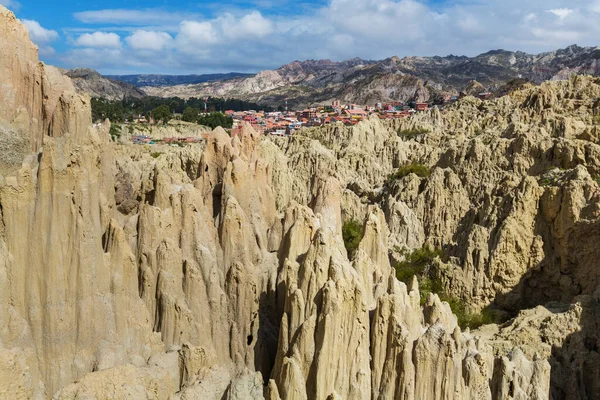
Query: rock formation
{"points": [[221, 272], [91, 82]]}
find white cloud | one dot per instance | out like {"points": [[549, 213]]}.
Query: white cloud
{"points": [[371, 29], [11, 4], [148, 40], [530, 17], [131, 17], [99, 39], [41, 36], [38, 34], [252, 25], [194, 33], [561, 13]]}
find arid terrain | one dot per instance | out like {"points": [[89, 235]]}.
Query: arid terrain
{"points": [[223, 270], [429, 79]]}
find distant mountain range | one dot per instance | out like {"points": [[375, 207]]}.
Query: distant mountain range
{"points": [[171, 80], [368, 82]]}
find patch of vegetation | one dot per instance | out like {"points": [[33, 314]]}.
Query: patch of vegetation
{"points": [[546, 181], [162, 113], [419, 263], [416, 263], [128, 108], [215, 119], [115, 132], [551, 177], [421, 170], [352, 232], [412, 133], [155, 154]]}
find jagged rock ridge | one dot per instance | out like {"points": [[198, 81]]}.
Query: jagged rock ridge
{"points": [[393, 79]]}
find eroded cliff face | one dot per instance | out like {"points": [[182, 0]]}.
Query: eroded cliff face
{"points": [[220, 272]]}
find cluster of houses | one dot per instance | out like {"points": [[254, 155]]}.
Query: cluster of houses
{"points": [[283, 123], [287, 122]]}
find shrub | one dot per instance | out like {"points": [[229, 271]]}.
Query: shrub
{"points": [[546, 181], [352, 232], [412, 133], [155, 154], [418, 264], [115, 131], [420, 170]]}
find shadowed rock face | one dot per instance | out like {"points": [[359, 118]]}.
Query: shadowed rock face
{"points": [[220, 272]]}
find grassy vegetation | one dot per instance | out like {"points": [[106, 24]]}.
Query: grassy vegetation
{"points": [[115, 131], [419, 263], [155, 154], [352, 232], [421, 170], [416, 263], [547, 181], [551, 176], [412, 133]]}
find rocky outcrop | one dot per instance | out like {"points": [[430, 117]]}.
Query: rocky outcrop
{"points": [[36, 100], [173, 129], [219, 271], [90, 82]]}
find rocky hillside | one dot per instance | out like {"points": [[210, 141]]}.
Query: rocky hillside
{"points": [[91, 82], [142, 80], [394, 79], [226, 271]]}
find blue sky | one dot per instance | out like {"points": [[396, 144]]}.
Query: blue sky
{"points": [[156, 36]]}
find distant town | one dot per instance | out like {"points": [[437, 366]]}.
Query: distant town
{"points": [[286, 123], [283, 123]]}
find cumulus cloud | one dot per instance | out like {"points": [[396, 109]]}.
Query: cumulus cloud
{"points": [[194, 33], [372, 29], [252, 25], [148, 40], [41, 36], [99, 39], [38, 33]]}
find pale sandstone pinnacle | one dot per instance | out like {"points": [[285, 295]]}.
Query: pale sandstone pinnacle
{"points": [[220, 272]]}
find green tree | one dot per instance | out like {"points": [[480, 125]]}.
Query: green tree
{"points": [[190, 114], [215, 119], [162, 113]]}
